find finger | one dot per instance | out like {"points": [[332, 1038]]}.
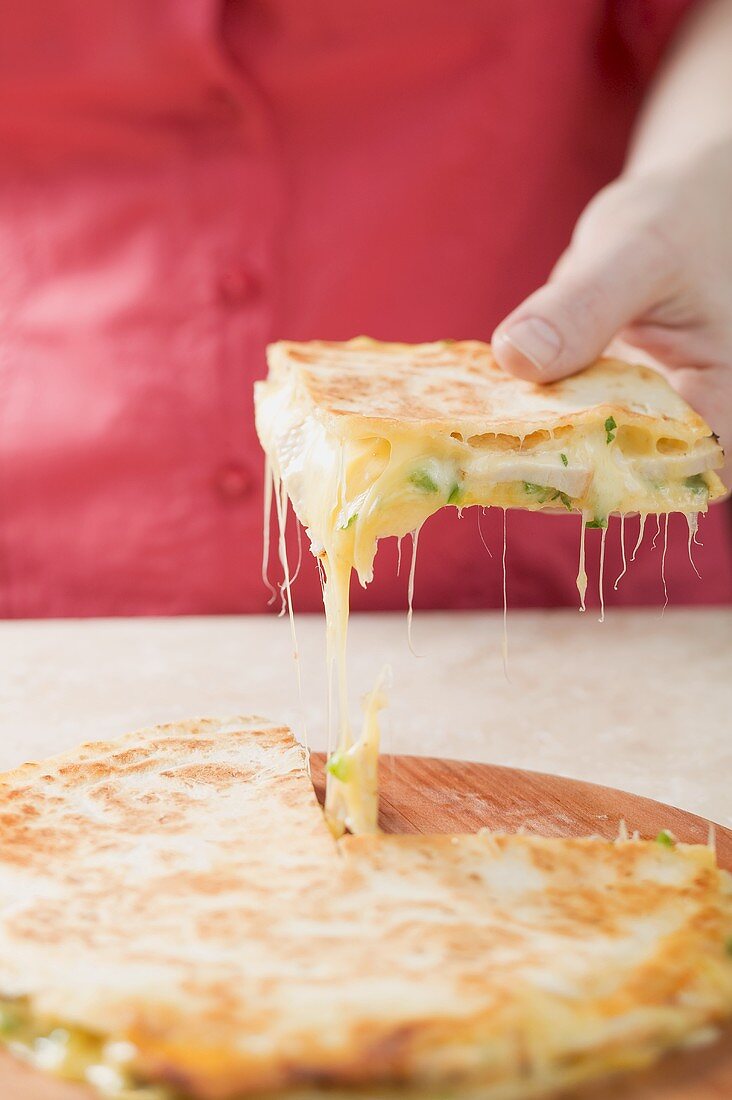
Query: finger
{"points": [[566, 324]]}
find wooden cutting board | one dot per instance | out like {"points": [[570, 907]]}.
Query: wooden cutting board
{"points": [[422, 795]]}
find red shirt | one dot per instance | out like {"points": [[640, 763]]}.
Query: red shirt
{"points": [[185, 180]]}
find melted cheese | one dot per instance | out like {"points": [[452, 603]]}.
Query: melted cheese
{"points": [[624, 570], [505, 594], [663, 563], [601, 582], [352, 797], [581, 571], [641, 532], [693, 523], [410, 590]]}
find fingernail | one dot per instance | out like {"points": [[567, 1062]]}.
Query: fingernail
{"points": [[536, 340]]}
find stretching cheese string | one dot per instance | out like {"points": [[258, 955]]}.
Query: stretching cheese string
{"points": [[624, 570]]}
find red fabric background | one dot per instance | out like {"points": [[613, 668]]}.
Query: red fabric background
{"points": [[183, 181]]}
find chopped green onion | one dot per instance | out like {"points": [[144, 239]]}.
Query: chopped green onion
{"points": [[10, 1020], [697, 484], [454, 495], [352, 519], [339, 766], [610, 429], [565, 460], [543, 493], [666, 838], [539, 491], [597, 522], [422, 480]]}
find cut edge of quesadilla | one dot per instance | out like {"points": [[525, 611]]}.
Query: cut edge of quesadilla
{"points": [[385, 928]]}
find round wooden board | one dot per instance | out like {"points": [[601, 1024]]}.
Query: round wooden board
{"points": [[424, 795]]}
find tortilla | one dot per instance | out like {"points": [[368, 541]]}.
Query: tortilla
{"points": [[175, 914]]}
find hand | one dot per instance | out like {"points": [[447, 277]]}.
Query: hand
{"points": [[650, 262]]}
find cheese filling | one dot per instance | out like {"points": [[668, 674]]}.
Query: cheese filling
{"points": [[351, 492], [74, 1054], [353, 773]]}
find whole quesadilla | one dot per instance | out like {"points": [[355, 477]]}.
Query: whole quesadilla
{"points": [[177, 921]]}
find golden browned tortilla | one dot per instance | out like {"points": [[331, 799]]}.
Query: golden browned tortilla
{"points": [[458, 385], [175, 914]]}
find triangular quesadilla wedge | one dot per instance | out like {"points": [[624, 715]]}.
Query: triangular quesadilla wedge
{"points": [[176, 921], [369, 439]]}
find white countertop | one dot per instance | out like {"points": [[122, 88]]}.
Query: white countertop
{"points": [[638, 701]]}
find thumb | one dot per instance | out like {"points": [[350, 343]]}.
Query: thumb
{"points": [[567, 324]]}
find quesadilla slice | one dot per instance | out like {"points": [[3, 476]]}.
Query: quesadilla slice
{"points": [[176, 921], [370, 439]]}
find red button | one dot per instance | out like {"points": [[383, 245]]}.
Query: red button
{"points": [[233, 480], [237, 285]]}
